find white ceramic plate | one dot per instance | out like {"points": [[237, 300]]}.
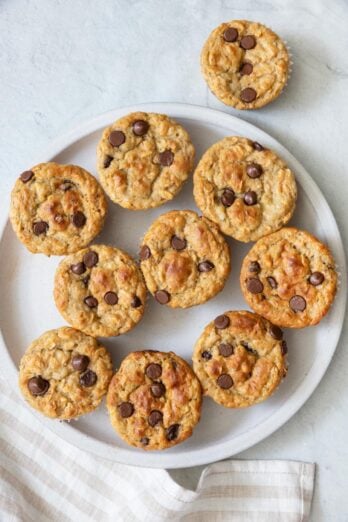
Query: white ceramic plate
{"points": [[27, 307]]}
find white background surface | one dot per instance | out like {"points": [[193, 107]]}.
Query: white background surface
{"points": [[63, 61]]}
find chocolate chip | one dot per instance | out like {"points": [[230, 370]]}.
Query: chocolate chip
{"points": [[248, 95], [111, 298], [206, 355], [136, 302], [248, 348], [107, 160], [116, 138], [205, 266], [162, 297], [144, 441], [85, 280], [272, 282], [79, 219], [225, 381], [38, 385], [40, 227], [250, 198], [221, 322], [257, 146], [66, 185], [155, 417], [178, 243], [248, 42], [126, 409], [225, 349], [254, 267], [246, 69], [90, 259], [80, 362], [153, 371], [316, 278], [230, 34], [166, 158], [78, 268], [297, 303], [158, 389], [172, 432], [145, 253], [284, 348], [275, 332], [87, 379], [254, 170], [90, 301], [140, 127], [254, 285], [26, 176], [227, 197]]}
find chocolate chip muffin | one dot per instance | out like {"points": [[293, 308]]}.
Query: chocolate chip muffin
{"points": [[289, 277], [57, 209], [144, 159], [65, 373], [245, 64], [154, 400], [246, 189], [100, 290], [240, 359], [184, 258]]}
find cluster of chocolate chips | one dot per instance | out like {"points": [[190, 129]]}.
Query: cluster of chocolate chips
{"points": [[247, 42], [80, 364], [40, 227], [126, 409], [89, 260], [253, 171], [139, 128], [178, 244], [297, 303]]}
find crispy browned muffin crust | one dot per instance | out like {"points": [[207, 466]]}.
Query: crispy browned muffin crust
{"points": [[184, 258], [100, 290], [240, 359], [245, 64], [154, 400], [144, 159], [57, 209], [289, 277], [246, 189], [65, 373]]}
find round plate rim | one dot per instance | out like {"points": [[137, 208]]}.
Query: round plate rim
{"points": [[302, 392]]}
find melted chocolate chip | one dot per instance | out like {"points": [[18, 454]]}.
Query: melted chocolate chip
{"points": [[107, 161], [225, 349], [230, 35], [250, 198], [111, 298], [79, 219], [172, 432], [284, 348], [144, 441], [254, 170], [254, 267], [221, 322], [38, 385], [40, 227], [155, 417], [297, 303], [257, 146], [90, 259], [206, 355], [316, 278], [91, 301], [145, 253], [248, 42], [227, 197], [66, 185], [178, 243], [80, 362], [162, 296], [272, 282], [116, 138], [254, 285], [87, 379], [276, 332], [126, 409], [78, 268], [246, 69], [166, 158], [248, 95], [140, 127], [158, 389], [26, 176], [136, 302], [225, 381], [205, 266], [153, 371]]}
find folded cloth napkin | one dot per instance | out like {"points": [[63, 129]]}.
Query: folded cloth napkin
{"points": [[43, 478]]}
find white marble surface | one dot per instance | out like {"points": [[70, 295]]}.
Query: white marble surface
{"points": [[63, 61]]}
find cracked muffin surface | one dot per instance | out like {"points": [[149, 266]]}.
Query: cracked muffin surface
{"points": [[289, 277], [245, 64], [57, 209], [154, 400], [240, 359], [100, 290], [144, 159], [245, 188], [65, 373], [184, 258]]}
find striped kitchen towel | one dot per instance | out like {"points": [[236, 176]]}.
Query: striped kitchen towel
{"points": [[45, 479]]}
